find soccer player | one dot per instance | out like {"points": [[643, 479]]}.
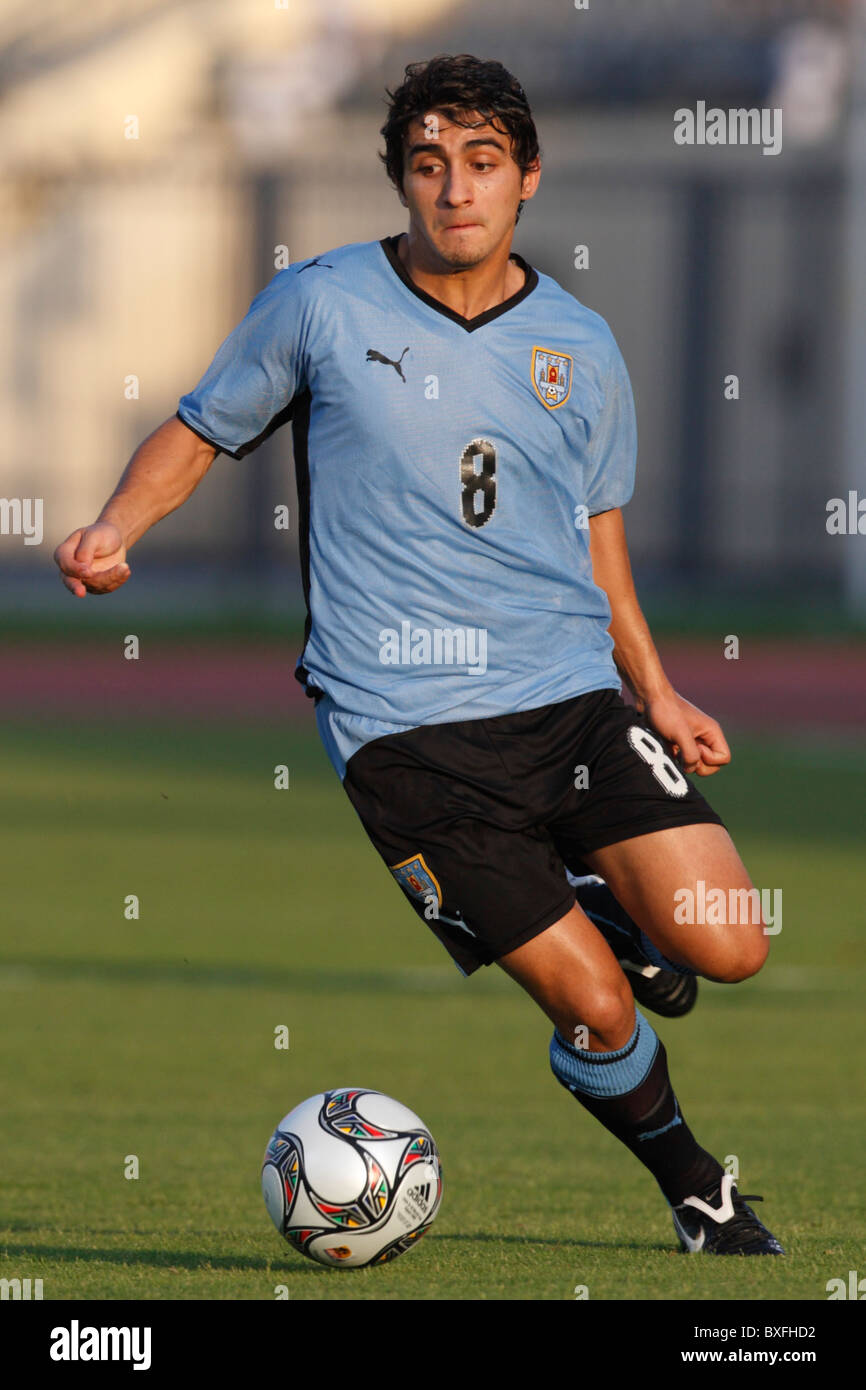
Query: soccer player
{"points": [[464, 439]]}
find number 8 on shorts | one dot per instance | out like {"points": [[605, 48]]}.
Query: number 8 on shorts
{"points": [[664, 769]]}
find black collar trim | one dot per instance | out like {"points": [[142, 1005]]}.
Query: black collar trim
{"points": [[389, 246]]}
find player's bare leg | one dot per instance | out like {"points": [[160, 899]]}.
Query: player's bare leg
{"points": [[574, 976], [652, 875], [618, 1069], [657, 985]]}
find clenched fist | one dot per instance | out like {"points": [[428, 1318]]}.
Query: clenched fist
{"points": [[93, 560]]}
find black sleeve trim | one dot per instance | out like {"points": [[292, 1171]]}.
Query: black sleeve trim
{"points": [[212, 442], [282, 417]]}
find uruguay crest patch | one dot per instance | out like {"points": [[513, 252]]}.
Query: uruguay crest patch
{"points": [[416, 879], [551, 376]]}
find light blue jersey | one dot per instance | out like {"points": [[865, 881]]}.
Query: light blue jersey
{"points": [[447, 468]]}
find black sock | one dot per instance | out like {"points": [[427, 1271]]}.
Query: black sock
{"points": [[648, 1121]]}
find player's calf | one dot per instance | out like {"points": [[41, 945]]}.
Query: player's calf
{"points": [[688, 891], [733, 959], [725, 952]]}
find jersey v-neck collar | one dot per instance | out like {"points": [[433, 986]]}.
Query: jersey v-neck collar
{"points": [[389, 246]]}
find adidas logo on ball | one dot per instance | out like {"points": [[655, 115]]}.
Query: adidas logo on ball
{"points": [[420, 1195]]}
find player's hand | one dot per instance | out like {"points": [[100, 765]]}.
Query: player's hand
{"points": [[695, 735], [93, 560]]}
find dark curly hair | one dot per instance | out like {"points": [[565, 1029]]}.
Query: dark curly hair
{"points": [[455, 85]]}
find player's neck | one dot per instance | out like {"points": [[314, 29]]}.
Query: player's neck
{"points": [[468, 292]]}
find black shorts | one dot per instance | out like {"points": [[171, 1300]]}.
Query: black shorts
{"points": [[479, 819]]}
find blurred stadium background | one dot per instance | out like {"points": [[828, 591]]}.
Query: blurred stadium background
{"points": [[258, 128], [127, 260]]}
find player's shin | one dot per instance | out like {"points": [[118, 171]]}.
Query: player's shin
{"points": [[630, 1092]]}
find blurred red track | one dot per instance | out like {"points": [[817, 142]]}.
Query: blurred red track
{"points": [[772, 686]]}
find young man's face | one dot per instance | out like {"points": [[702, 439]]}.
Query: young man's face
{"points": [[462, 187]]}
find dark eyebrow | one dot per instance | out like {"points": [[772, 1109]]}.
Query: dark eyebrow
{"points": [[423, 145]]}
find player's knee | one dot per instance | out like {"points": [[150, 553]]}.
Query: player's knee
{"points": [[741, 958], [611, 1016]]}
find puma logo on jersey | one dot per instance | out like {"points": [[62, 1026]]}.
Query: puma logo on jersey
{"points": [[322, 264], [374, 356]]}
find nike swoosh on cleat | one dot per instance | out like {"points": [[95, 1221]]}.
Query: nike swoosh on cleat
{"points": [[725, 1210], [693, 1244]]}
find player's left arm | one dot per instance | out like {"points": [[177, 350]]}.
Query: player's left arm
{"points": [[697, 736]]}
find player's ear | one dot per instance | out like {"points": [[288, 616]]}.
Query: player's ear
{"points": [[530, 180]]}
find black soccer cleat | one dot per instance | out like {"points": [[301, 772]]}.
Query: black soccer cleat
{"points": [[719, 1223], [663, 991]]}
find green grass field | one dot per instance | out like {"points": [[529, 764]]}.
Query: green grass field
{"points": [[258, 908]]}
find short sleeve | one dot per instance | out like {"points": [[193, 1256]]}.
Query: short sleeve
{"points": [[612, 445], [249, 388]]}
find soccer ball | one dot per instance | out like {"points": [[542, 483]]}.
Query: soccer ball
{"points": [[352, 1177]]}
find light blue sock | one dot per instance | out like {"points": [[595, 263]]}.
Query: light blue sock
{"points": [[605, 1073]]}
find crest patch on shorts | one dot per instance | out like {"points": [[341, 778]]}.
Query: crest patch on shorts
{"points": [[416, 879]]}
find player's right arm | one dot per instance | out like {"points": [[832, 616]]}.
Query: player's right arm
{"points": [[162, 473], [247, 391]]}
